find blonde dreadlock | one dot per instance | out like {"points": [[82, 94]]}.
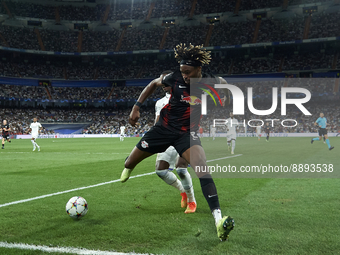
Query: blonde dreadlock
{"points": [[192, 53]]}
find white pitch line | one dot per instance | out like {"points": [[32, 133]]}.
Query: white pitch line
{"points": [[72, 250], [92, 186], [211, 160], [68, 191]]}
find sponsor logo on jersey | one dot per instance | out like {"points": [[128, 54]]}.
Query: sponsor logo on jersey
{"points": [[192, 100]]}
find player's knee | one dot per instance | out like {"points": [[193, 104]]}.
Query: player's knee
{"points": [[167, 176], [181, 172], [181, 163], [162, 173]]}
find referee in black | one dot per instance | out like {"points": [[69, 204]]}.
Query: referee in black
{"points": [[267, 131]]}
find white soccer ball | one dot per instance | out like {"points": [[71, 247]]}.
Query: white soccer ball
{"points": [[76, 207]]}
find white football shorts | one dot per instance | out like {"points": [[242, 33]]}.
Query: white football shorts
{"points": [[170, 156]]}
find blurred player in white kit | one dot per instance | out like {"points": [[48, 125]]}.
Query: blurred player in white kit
{"points": [[213, 132], [232, 125], [122, 133], [35, 128], [258, 132]]}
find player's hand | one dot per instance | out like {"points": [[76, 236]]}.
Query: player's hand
{"points": [[134, 116]]}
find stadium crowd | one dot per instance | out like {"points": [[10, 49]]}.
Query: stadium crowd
{"points": [[99, 121], [224, 33], [123, 10], [148, 67], [75, 93], [104, 121]]}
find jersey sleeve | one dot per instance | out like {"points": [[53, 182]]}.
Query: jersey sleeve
{"points": [[40, 125], [168, 80], [31, 126]]}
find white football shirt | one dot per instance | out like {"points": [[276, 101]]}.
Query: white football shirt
{"points": [[122, 129], [258, 129], [161, 103], [35, 126], [232, 124]]}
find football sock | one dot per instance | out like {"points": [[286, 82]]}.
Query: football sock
{"points": [[267, 137], [328, 143], [170, 178], [316, 139], [233, 142], [210, 192], [217, 215], [187, 183], [33, 143]]}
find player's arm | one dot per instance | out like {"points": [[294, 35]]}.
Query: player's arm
{"points": [[147, 91], [226, 99], [156, 120]]}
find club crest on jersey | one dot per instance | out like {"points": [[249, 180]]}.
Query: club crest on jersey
{"points": [[192, 100], [145, 144]]}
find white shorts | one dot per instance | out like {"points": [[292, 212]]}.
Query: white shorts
{"points": [[231, 136], [258, 134], [170, 156], [35, 136]]}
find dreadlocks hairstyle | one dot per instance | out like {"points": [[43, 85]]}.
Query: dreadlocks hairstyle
{"points": [[192, 55]]}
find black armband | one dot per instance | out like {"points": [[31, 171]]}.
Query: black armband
{"points": [[138, 104]]}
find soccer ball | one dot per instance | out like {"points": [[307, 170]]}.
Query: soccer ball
{"points": [[76, 207]]}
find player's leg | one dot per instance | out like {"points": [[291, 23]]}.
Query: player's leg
{"points": [[267, 138], [3, 143], [156, 140], [33, 143], [228, 141], [190, 202], [135, 157], [9, 140], [163, 162], [317, 138], [195, 155], [328, 143], [233, 143], [324, 139], [33, 140]]}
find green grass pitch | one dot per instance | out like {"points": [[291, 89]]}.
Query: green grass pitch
{"points": [[272, 215]]}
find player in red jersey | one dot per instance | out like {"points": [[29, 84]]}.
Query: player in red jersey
{"points": [[5, 133], [178, 126]]}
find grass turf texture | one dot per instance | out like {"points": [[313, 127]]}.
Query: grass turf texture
{"points": [[273, 216]]}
